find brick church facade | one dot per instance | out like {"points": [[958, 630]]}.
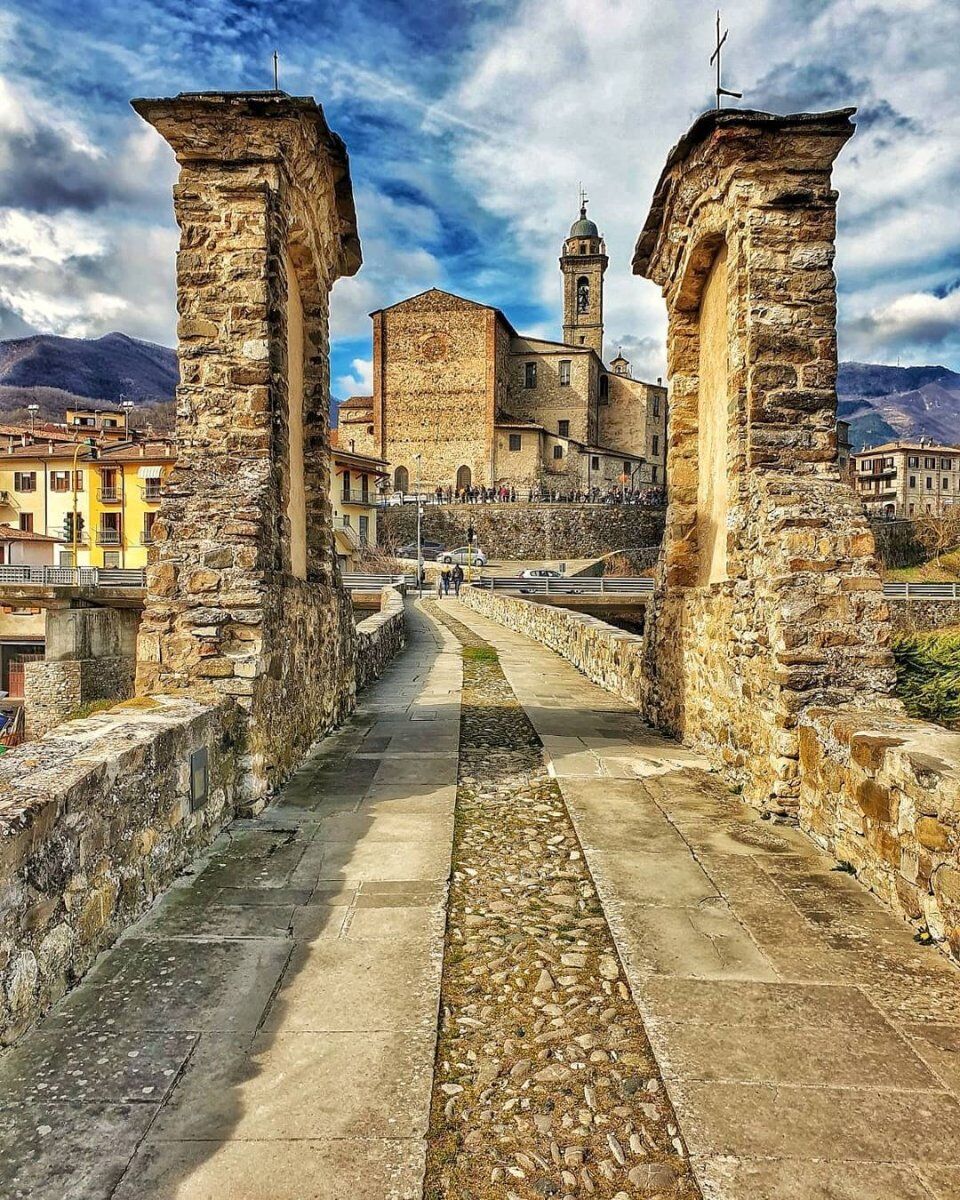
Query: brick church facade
{"points": [[461, 399]]}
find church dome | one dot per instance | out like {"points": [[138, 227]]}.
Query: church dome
{"points": [[584, 227]]}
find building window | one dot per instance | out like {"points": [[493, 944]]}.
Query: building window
{"points": [[911, 509], [583, 294], [944, 483], [345, 477], [530, 375], [656, 404], [146, 537], [563, 427], [604, 389], [24, 481], [59, 481], [929, 483], [364, 530], [26, 522], [655, 449], [929, 463], [595, 463], [401, 479], [627, 468], [565, 373], [558, 452], [913, 481], [654, 473], [946, 464], [913, 461], [515, 441]]}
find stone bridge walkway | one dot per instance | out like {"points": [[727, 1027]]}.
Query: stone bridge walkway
{"points": [[268, 1030], [811, 1048]]}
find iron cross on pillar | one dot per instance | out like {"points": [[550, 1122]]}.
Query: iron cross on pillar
{"points": [[715, 57]]}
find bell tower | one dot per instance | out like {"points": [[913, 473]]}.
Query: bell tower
{"points": [[583, 263]]}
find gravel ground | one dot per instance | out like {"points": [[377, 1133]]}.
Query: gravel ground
{"points": [[545, 1084]]}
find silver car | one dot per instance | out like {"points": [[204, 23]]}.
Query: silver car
{"points": [[465, 556]]}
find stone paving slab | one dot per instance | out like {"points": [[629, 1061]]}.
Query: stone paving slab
{"points": [[267, 1030], [807, 1042]]}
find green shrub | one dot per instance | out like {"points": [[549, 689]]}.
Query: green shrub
{"points": [[928, 675]]}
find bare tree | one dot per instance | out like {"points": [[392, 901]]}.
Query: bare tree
{"points": [[939, 532]]}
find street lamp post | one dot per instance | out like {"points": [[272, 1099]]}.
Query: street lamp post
{"points": [[419, 532]]}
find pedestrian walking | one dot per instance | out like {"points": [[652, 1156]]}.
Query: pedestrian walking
{"points": [[457, 579], [445, 579], [439, 585]]}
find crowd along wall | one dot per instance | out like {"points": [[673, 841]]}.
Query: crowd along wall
{"points": [[527, 531]]}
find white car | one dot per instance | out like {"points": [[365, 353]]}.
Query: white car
{"points": [[540, 573], [465, 556]]}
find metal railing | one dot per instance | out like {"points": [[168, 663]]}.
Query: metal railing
{"points": [[108, 537], [570, 585], [72, 576], [371, 583], [109, 495], [922, 591]]}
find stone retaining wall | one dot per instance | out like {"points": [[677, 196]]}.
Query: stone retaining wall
{"points": [[96, 818], [379, 637], [535, 531], [914, 616], [878, 790], [897, 545], [881, 792]]}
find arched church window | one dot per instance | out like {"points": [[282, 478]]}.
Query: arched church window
{"points": [[604, 387], [583, 294], [401, 480]]}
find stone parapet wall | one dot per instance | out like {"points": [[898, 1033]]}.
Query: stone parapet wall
{"points": [[53, 690], [380, 637], [606, 655], [881, 792], [96, 819], [527, 531]]}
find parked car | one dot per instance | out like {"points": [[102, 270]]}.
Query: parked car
{"points": [[428, 549], [540, 573], [464, 555], [396, 498]]}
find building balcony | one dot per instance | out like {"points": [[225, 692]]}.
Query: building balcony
{"points": [[109, 495], [108, 537], [356, 496], [151, 495], [146, 537]]}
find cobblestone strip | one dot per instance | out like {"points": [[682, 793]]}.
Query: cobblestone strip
{"points": [[545, 1084]]}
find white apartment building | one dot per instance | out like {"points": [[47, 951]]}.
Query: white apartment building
{"points": [[907, 479]]}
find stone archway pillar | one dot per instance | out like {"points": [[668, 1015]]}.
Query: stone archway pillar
{"points": [[243, 595], [767, 595]]}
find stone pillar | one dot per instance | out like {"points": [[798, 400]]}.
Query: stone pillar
{"points": [[768, 598], [243, 593]]}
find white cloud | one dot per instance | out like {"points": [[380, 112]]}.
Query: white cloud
{"points": [[359, 381]]}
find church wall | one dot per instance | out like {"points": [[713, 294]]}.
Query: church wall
{"points": [[521, 468], [627, 422], [550, 402], [437, 365]]}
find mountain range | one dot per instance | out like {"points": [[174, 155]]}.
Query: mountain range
{"points": [[881, 403]]}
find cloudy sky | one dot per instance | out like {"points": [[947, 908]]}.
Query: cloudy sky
{"points": [[470, 124]]}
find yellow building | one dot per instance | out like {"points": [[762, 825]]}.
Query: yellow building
{"points": [[124, 499], [117, 489], [353, 498]]}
